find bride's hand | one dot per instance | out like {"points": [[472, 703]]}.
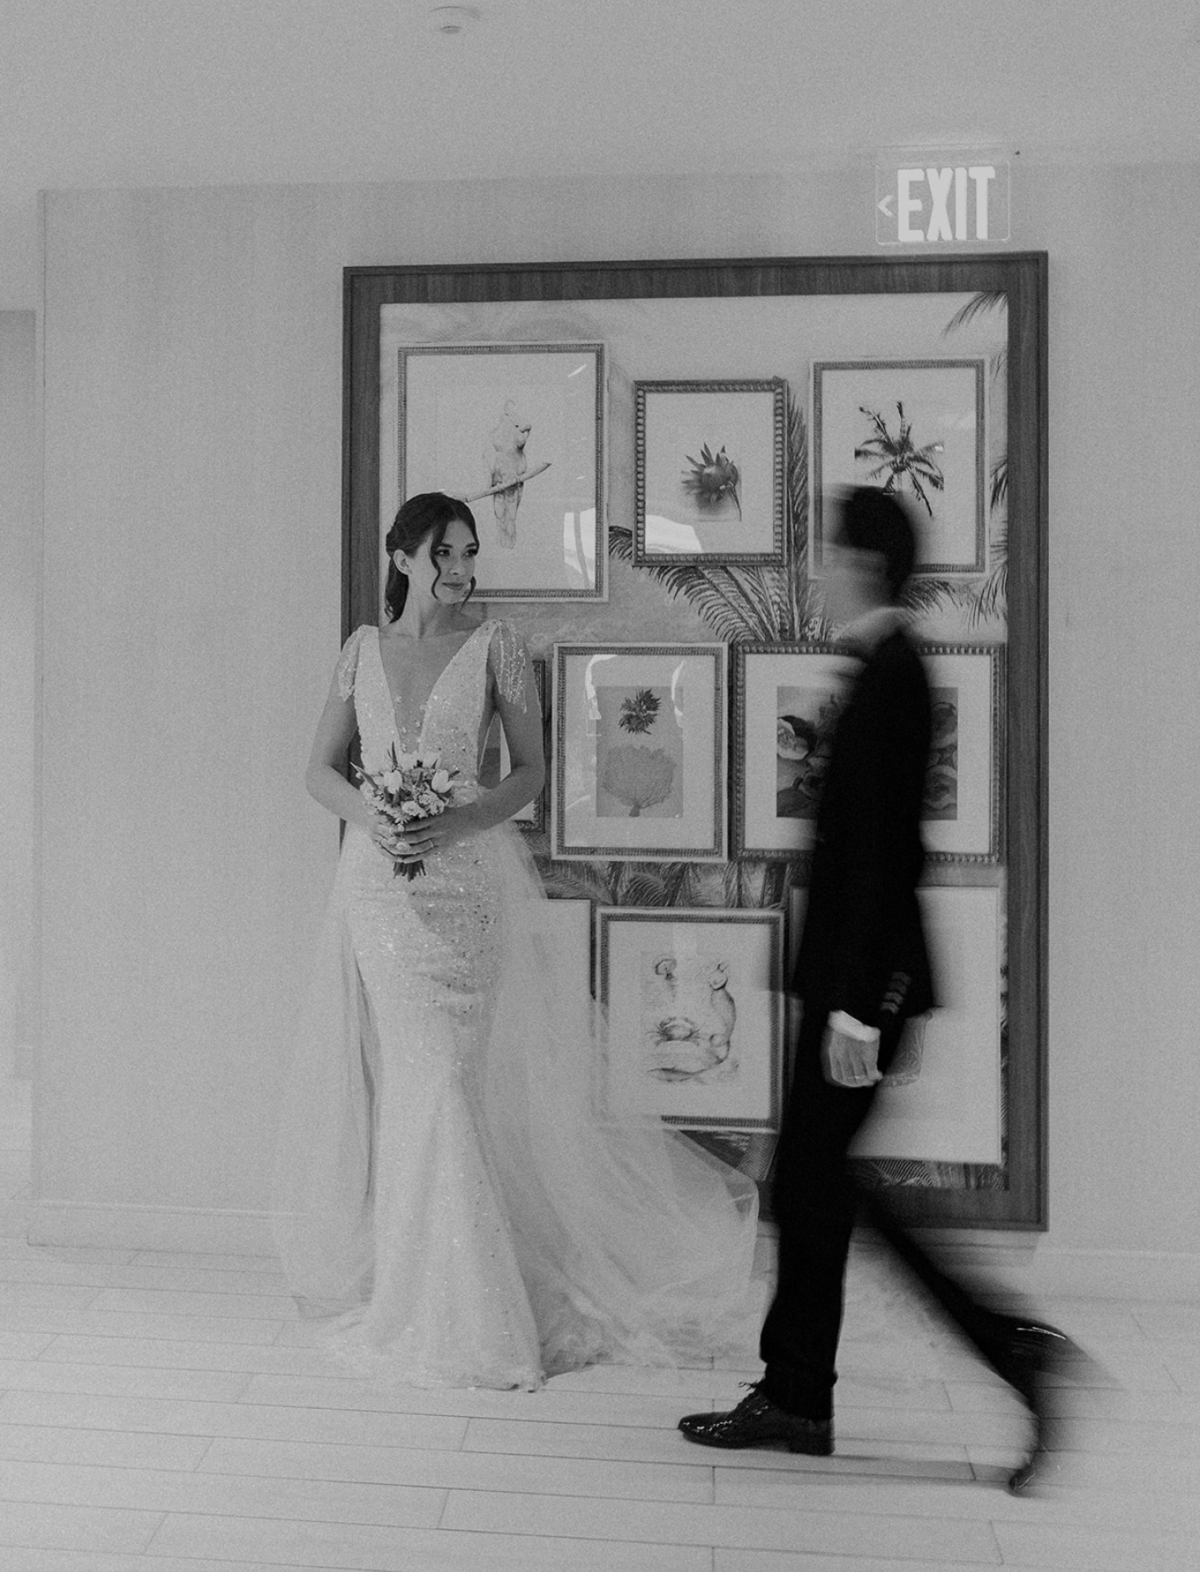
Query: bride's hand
{"points": [[429, 835], [385, 833]]}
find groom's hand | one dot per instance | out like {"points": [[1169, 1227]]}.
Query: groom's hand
{"points": [[848, 1061]]}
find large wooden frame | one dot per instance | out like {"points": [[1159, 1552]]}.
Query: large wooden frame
{"points": [[1016, 1195]]}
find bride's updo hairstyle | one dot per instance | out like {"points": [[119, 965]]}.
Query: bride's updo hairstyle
{"points": [[422, 519]]}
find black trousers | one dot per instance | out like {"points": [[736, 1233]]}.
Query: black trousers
{"points": [[816, 1203]]}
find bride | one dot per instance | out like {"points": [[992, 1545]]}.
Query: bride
{"points": [[447, 1186]]}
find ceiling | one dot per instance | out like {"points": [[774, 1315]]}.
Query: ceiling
{"points": [[200, 92]]}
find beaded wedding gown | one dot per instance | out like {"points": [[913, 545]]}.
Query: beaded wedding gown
{"points": [[447, 1184]]}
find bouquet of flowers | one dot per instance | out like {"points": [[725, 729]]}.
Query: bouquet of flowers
{"points": [[414, 787]]}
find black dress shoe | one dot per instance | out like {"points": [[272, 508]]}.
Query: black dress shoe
{"points": [[757, 1421], [1036, 1359]]}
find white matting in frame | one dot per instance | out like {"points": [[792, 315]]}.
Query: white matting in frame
{"points": [[785, 704], [952, 1111], [709, 471], [639, 752], [517, 431], [914, 426], [962, 817], [694, 1013]]}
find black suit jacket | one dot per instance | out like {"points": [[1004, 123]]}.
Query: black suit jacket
{"points": [[863, 947]]}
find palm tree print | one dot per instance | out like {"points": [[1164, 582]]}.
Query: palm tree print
{"points": [[900, 459]]}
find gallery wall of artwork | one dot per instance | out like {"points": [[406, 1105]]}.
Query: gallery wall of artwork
{"points": [[650, 450]]}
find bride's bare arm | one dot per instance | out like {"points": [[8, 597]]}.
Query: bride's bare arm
{"points": [[327, 761], [324, 777]]}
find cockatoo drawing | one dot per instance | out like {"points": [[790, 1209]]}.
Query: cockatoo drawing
{"points": [[508, 467], [507, 470]]}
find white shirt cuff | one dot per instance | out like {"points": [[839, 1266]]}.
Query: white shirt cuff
{"points": [[849, 1027]]}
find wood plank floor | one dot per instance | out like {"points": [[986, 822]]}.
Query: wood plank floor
{"points": [[165, 1413]]}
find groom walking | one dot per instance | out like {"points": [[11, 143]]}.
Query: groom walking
{"points": [[862, 971]]}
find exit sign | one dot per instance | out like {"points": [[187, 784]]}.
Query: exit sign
{"points": [[927, 203]]}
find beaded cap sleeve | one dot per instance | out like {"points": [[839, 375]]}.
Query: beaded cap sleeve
{"points": [[347, 667], [509, 659]]}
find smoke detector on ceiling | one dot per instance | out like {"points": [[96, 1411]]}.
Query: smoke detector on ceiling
{"points": [[451, 21]]}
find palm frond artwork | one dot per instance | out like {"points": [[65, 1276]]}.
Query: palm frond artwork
{"points": [[571, 881], [792, 583], [899, 459], [990, 599], [925, 596], [749, 883], [712, 479], [979, 305], [983, 304], [883, 1173], [743, 603], [639, 711], [719, 594], [998, 484], [619, 883], [754, 882], [652, 884]]}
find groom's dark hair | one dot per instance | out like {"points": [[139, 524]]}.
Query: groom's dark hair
{"points": [[870, 519]]}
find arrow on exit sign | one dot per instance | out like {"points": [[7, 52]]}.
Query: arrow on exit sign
{"points": [[932, 203]]}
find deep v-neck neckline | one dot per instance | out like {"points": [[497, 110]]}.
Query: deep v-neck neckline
{"points": [[394, 703]]}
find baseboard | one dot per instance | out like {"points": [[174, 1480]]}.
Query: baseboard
{"points": [[1028, 1264], [1055, 1272], [1022, 1263], [175, 1228]]}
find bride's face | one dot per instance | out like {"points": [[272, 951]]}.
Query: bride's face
{"points": [[443, 575]]}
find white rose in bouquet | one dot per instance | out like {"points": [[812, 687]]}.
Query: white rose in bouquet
{"points": [[411, 788]]}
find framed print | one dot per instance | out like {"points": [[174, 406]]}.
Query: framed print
{"points": [[709, 471], [962, 817], [915, 427], [946, 1104], [785, 702], [496, 761], [517, 431], [694, 1011], [961, 344], [942, 1105], [639, 752]]}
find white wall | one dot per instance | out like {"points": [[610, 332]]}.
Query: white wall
{"points": [[18, 615], [193, 411], [1124, 723]]}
